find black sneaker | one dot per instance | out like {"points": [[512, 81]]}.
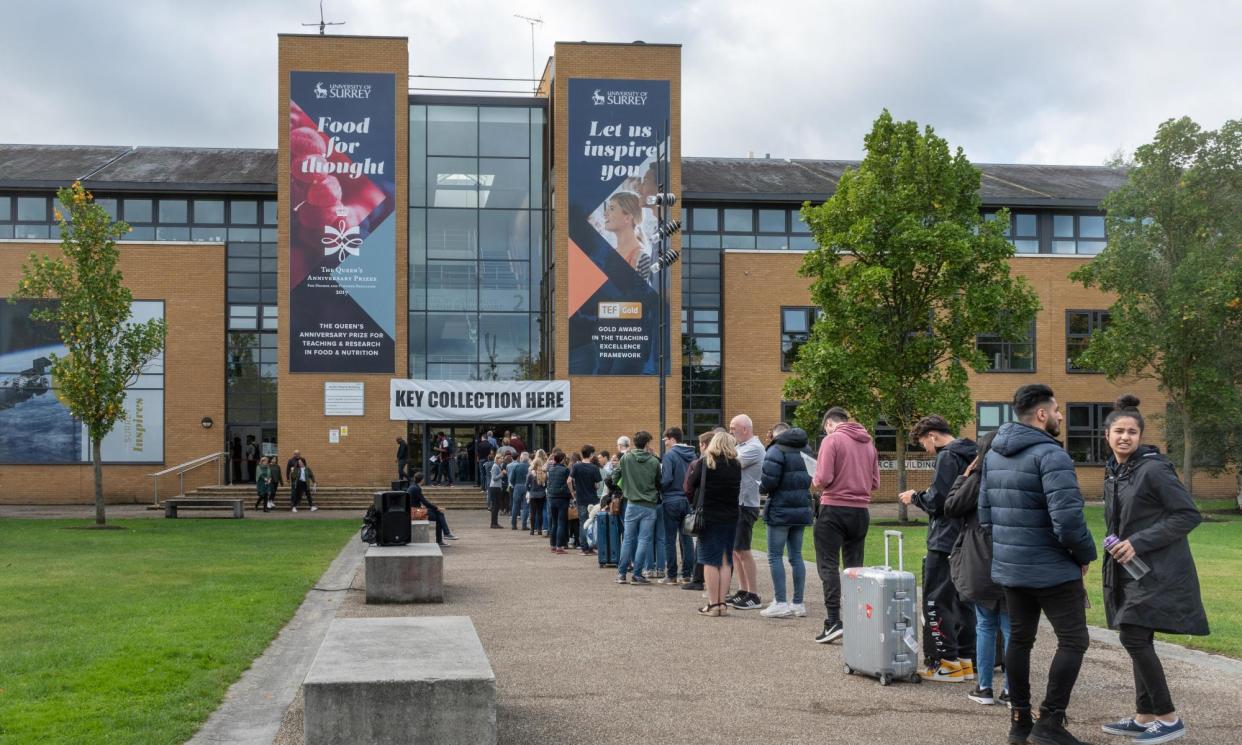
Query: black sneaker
{"points": [[1020, 725], [639, 579], [745, 601], [981, 696], [833, 630], [1003, 698], [1050, 729], [693, 586]]}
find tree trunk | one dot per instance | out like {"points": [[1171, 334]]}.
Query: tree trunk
{"points": [[1238, 497], [1188, 452], [903, 515], [97, 459]]}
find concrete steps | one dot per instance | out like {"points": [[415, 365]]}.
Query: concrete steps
{"points": [[356, 498]]}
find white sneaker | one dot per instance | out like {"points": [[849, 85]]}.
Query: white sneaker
{"points": [[777, 610], [314, 509], [270, 505], [799, 609], [295, 509]]}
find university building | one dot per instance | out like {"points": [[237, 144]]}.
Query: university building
{"points": [[407, 264]]}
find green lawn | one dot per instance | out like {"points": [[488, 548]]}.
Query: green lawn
{"points": [[1217, 546], [134, 635]]}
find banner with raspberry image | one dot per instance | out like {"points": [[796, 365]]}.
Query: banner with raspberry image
{"points": [[342, 222]]}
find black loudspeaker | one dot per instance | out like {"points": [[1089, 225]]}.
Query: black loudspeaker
{"points": [[394, 509], [401, 485]]}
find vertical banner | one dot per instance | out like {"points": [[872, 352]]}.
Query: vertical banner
{"points": [[342, 222], [615, 131]]}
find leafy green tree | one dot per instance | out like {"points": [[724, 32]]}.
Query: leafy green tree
{"points": [[907, 273], [105, 351], [1218, 441], [1173, 260]]}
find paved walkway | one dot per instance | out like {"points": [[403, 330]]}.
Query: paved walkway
{"points": [[579, 659]]}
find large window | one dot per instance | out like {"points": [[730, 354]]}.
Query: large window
{"points": [[990, 416], [796, 325], [1077, 234], [1079, 326], [1023, 231], [1009, 356], [1085, 432]]}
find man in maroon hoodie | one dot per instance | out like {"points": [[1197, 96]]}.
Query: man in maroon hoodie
{"points": [[847, 471]]}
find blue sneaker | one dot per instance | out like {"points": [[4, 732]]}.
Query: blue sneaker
{"points": [[1158, 732], [1125, 728]]}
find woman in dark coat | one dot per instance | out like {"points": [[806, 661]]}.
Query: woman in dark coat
{"points": [[1149, 511], [721, 474], [787, 514]]}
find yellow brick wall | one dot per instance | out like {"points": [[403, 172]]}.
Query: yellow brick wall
{"points": [[193, 372], [605, 406], [366, 455], [756, 284]]}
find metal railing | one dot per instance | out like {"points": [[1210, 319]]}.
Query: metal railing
{"points": [[184, 468]]}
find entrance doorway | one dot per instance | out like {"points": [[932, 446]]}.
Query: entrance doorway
{"points": [[463, 446]]}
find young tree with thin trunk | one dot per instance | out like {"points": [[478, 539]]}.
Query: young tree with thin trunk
{"points": [[91, 309], [908, 274]]}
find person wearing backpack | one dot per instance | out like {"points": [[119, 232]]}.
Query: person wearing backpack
{"points": [[971, 565]]}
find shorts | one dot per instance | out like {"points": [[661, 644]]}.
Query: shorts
{"points": [[716, 544], [746, 518]]}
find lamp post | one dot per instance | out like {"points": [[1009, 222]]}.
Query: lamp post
{"points": [[662, 201]]}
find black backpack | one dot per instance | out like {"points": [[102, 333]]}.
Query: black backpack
{"points": [[370, 525]]}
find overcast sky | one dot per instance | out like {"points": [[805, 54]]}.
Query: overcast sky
{"points": [[1052, 81]]}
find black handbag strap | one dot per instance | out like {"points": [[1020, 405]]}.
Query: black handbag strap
{"points": [[698, 498]]}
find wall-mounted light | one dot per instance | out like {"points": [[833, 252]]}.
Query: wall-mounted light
{"points": [[206, 422]]}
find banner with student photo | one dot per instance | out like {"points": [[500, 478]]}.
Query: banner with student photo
{"points": [[342, 222], [617, 135]]}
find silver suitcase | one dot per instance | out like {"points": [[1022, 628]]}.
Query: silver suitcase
{"points": [[879, 610]]}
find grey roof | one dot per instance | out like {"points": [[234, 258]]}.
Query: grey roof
{"points": [[784, 180], [125, 168]]}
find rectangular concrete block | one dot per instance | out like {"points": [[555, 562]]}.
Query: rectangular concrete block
{"points": [[400, 680], [422, 531], [413, 573]]}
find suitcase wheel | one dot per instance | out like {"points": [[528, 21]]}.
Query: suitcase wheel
{"points": [[915, 678], [849, 670], [885, 679]]}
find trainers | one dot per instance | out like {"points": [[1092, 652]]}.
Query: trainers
{"points": [[833, 630], [450, 537], [946, 671], [799, 609], [667, 581], [295, 509], [981, 696], [1003, 698], [1020, 725], [968, 669], [621, 580], [777, 610], [314, 509], [693, 586], [1050, 729], [728, 599], [1158, 732], [1125, 728], [746, 601], [640, 580]]}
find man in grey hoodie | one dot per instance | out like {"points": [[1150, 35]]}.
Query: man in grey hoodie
{"points": [[676, 506], [750, 453]]}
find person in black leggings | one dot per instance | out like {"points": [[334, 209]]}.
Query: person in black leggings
{"points": [[558, 500], [537, 491]]}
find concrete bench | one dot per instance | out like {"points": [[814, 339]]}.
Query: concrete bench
{"points": [[400, 680], [413, 573], [171, 505], [422, 531]]}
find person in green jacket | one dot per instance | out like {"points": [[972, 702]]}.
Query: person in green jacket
{"points": [[639, 478], [264, 486]]}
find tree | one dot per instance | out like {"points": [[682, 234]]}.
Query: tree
{"points": [[105, 351], [908, 274], [1173, 260], [1217, 438]]}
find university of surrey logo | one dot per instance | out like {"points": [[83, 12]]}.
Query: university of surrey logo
{"points": [[341, 239], [619, 98], [320, 91], [597, 98]]}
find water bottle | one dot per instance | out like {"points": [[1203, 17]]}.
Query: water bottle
{"points": [[1135, 567]]}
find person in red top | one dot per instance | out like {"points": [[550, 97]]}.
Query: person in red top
{"points": [[847, 471]]}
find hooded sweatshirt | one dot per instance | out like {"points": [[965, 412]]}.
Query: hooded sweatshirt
{"points": [[951, 460], [640, 477], [673, 471], [848, 468]]}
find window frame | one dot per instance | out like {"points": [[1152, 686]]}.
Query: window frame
{"points": [[1096, 320], [1006, 416], [812, 315], [1093, 433], [1007, 351]]}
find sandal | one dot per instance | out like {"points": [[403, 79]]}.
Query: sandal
{"points": [[707, 610]]}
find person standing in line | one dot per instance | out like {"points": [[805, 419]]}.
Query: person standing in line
{"points": [[517, 443], [235, 458], [676, 505], [518, 471], [847, 471], [558, 499], [1041, 549], [640, 483], [303, 485], [537, 491], [403, 459], [1150, 580], [290, 465], [788, 486], [252, 458], [750, 454], [483, 450], [720, 472], [263, 485], [496, 488], [585, 478], [696, 583], [948, 622]]}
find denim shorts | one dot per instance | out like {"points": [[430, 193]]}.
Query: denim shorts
{"points": [[716, 543], [746, 517]]}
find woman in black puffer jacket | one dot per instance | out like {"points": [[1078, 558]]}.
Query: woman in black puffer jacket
{"points": [[787, 483]]}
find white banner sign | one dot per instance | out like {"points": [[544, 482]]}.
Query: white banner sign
{"points": [[474, 401]]}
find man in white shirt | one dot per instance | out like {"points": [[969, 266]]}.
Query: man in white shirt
{"points": [[750, 453]]}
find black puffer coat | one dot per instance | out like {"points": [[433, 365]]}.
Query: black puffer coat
{"points": [[786, 481], [951, 460], [1146, 504]]}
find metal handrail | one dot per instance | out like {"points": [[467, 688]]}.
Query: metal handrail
{"points": [[184, 468]]}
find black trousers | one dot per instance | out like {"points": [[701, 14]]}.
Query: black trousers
{"points": [[495, 494], [949, 623], [1065, 607], [1151, 688], [840, 535], [301, 489], [536, 514], [403, 471]]}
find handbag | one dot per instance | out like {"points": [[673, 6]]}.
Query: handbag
{"points": [[573, 511], [418, 513], [692, 523]]}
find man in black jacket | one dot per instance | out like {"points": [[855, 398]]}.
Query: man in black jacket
{"points": [[948, 622], [403, 459]]}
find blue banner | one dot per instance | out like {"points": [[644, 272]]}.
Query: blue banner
{"points": [[617, 137]]}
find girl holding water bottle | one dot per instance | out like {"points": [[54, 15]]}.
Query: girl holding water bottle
{"points": [[1150, 583]]}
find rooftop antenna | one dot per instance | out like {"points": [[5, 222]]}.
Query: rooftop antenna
{"points": [[532, 22], [322, 23]]}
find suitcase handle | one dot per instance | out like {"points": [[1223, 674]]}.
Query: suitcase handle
{"points": [[901, 542]]}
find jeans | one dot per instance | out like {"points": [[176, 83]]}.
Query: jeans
{"points": [[518, 507], [949, 622], [840, 533], [1151, 689], [675, 511], [1065, 607], [780, 536], [657, 558], [300, 489], [584, 509], [640, 522], [558, 534], [537, 508], [987, 623]]}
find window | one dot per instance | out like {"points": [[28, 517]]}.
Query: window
{"points": [[504, 131], [772, 221], [795, 331], [1078, 234], [739, 221], [1008, 356], [1079, 326], [452, 130], [788, 410], [990, 416], [1023, 231], [1085, 432], [209, 211], [705, 220]]}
